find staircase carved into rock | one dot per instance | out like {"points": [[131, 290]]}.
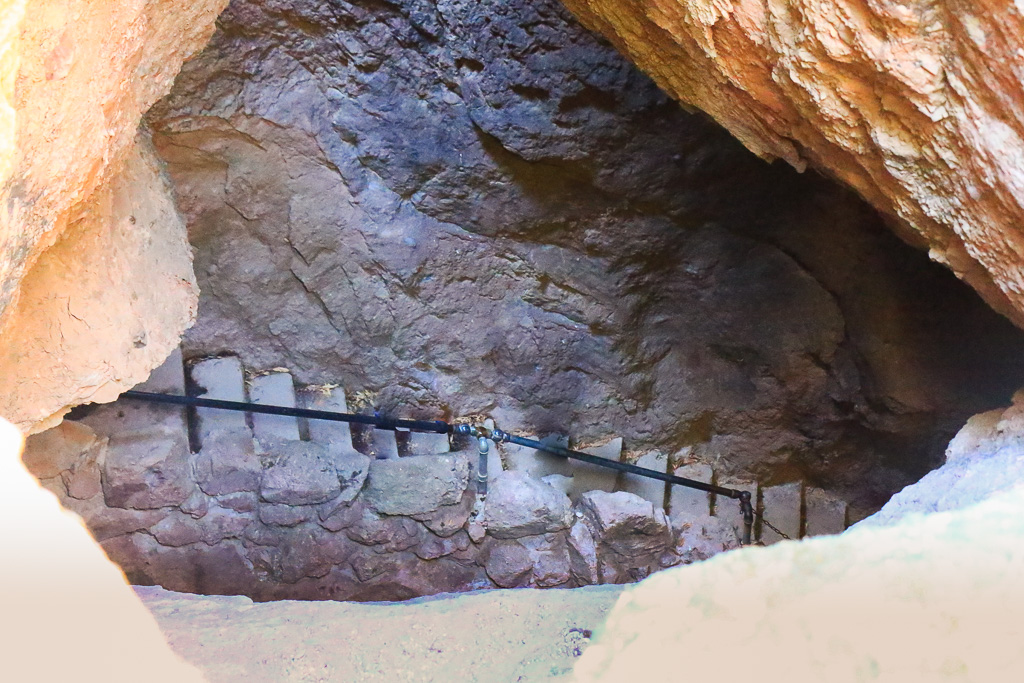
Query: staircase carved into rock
{"points": [[214, 501]]}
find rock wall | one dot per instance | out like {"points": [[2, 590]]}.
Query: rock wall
{"points": [[259, 511], [211, 501], [464, 208], [918, 107], [76, 78]]}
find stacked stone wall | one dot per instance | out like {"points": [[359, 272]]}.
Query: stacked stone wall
{"points": [[224, 502]]}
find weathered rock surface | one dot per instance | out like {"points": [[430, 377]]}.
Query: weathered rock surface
{"points": [[285, 515], [447, 519], [518, 505], [351, 469], [122, 274], [701, 538], [299, 473], [96, 282], [626, 522], [59, 449], [583, 555], [549, 554], [920, 110], [107, 522], [155, 472], [509, 564], [459, 208], [228, 464], [176, 530], [416, 485]]}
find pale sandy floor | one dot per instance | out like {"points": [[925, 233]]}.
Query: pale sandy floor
{"points": [[501, 635]]}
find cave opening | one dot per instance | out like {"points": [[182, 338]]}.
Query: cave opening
{"points": [[477, 211]]}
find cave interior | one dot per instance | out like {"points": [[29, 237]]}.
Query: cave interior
{"points": [[480, 212]]}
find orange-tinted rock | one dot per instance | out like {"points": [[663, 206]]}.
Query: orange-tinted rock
{"points": [[57, 450], [105, 304], [920, 109], [87, 237], [61, 594]]}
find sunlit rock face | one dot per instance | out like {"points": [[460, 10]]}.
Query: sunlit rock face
{"points": [[465, 208], [103, 305], [80, 320], [919, 106]]}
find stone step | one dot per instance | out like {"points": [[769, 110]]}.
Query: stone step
{"points": [[382, 444], [788, 507], [226, 462], [587, 477], [222, 379], [274, 389], [537, 464], [826, 514], [327, 432], [652, 490], [781, 505], [686, 502], [728, 509]]}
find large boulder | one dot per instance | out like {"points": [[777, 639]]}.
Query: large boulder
{"points": [[416, 485], [984, 459], [933, 585], [626, 523], [519, 505], [299, 473], [96, 282]]}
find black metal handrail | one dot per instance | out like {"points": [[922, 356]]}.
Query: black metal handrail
{"points": [[441, 427]]}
